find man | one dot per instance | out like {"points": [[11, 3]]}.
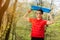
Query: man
{"points": [[38, 25]]}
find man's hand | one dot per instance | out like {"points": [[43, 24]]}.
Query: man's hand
{"points": [[29, 10]]}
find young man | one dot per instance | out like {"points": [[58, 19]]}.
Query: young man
{"points": [[38, 25]]}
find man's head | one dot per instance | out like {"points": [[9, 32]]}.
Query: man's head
{"points": [[39, 13]]}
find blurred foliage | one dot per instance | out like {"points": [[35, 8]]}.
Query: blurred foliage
{"points": [[22, 28]]}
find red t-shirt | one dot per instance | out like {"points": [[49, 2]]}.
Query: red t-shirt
{"points": [[38, 27]]}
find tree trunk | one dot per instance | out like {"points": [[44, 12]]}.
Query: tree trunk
{"points": [[13, 21], [0, 3], [3, 9]]}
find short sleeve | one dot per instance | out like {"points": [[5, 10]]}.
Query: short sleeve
{"points": [[45, 22], [31, 20]]}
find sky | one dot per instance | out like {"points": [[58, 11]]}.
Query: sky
{"points": [[56, 2]]}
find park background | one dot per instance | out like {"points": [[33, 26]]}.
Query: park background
{"points": [[14, 27]]}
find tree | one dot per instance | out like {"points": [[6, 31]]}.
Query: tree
{"points": [[3, 9], [0, 3]]}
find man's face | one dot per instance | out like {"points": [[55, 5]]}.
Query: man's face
{"points": [[38, 14]]}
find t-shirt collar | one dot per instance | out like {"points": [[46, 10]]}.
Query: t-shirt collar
{"points": [[39, 19]]}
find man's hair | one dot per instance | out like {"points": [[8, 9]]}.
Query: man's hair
{"points": [[41, 11]]}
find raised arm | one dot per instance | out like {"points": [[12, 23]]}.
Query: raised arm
{"points": [[51, 21], [26, 15]]}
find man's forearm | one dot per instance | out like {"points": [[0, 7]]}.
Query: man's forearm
{"points": [[26, 15], [51, 19]]}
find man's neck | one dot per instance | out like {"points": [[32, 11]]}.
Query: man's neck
{"points": [[39, 18]]}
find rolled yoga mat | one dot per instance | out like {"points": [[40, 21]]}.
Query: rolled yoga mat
{"points": [[47, 10]]}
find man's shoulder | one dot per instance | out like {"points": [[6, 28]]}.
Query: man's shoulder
{"points": [[44, 20], [32, 18]]}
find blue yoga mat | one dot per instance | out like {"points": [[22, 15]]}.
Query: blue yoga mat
{"points": [[47, 10]]}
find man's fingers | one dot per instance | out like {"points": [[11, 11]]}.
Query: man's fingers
{"points": [[29, 10]]}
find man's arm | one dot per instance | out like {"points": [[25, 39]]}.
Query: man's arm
{"points": [[51, 21], [26, 15]]}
